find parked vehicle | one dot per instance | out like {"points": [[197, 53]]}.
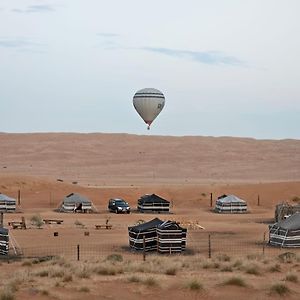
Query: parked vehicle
{"points": [[118, 206]]}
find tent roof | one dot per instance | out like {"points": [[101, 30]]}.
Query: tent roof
{"points": [[3, 231], [169, 225], [6, 198], [291, 223], [76, 198], [148, 225], [153, 198], [230, 198]]}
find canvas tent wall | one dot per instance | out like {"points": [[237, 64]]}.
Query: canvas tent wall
{"points": [[171, 238], [7, 204], [4, 241], [230, 204], [286, 233], [153, 203], [76, 203], [147, 230]]}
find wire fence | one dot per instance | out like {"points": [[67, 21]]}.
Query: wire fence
{"points": [[208, 245]]}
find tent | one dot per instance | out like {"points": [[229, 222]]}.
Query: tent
{"points": [[7, 204], [76, 203], [286, 233], [284, 210], [163, 236], [230, 204], [4, 241], [147, 230], [153, 203], [171, 237]]}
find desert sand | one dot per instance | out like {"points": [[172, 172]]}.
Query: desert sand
{"points": [[184, 170]]}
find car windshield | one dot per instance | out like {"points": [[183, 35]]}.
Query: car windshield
{"points": [[121, 203]]}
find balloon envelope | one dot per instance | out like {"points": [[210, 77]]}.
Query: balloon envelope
{"points": [[148, 103]]}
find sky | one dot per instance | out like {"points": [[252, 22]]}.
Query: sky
{"points": [[226, 68]]}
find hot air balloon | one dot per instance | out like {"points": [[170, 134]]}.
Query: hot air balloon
{"points": [[148, 103]]}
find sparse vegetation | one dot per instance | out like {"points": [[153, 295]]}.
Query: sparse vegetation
{"points": [[7, 294], [115, 257], [296, 199], [275, 268], [194, 285], [171, 271], [280, 289], [37, 221], [253, 270], [134, 278], [237, 281], [150, 281], [291, 278], [84, 289]]}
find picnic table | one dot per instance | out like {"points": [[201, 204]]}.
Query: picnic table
{"points": [[103, 226], [52, 221]]}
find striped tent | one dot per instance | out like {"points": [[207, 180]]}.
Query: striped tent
{"points": [[146, 230], [4, 241], [7, 204], [230, 204], [171, 238], [153, 203], [76, 203], [286, 233]]}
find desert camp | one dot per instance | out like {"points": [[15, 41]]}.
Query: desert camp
{"points": [[7, 204]]}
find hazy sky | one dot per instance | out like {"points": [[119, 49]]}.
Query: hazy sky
{"points": [[226, 67]]}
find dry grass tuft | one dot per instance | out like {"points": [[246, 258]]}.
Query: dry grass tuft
{"points": [[133, 278], [151, 282], [253, 270], [280, 289], [115, 257], [291, 278], [171, 271], [275, 268], [236, 281], [7, 294], [194, 285], [84, 289]]}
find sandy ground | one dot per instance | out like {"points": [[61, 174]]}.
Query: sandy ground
{"points": [[184, 170]]}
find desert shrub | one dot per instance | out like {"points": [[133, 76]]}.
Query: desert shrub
{"points": [[78, 223], [237, 281], [223, 257], [45, 292], [194, 285], [226, 269], [67, 278], [280, 289], [287, 257], [84, 289], [150, 281], [27, 263], [296, 199], [115, 257], [133, 278], [171, 271], [237, 264], [42, 273], [253, 270], [83, 272], [37, 220], [291, 278], [7, 294], [275, 268], [106, 270]]}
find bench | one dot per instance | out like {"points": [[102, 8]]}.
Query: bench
{"points": [[51, 221], [103, 226], [16, 225]]}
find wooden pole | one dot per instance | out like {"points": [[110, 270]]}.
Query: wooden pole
{"points": [[211, 199], [264, 244], [258, 200], [144, 248], [19, 197], [209, 246], [1, 219], [78, 252]]}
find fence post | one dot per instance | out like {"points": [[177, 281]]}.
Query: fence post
{"points": [[144, 248], [209, 246], [258, 200], [78, 252], [211, 199], [19, 197], [1, 219], [264, 243]]}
